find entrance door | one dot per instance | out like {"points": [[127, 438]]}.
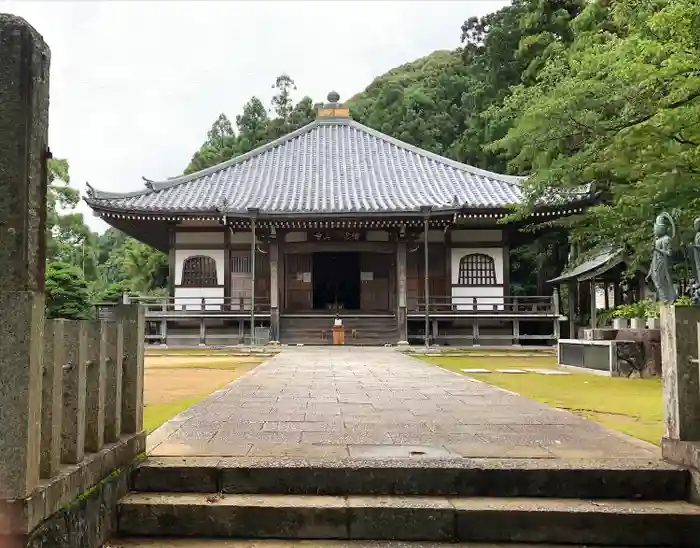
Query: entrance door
{"points": [[241, 280], [336, 281], [298, 281], [376, 281]]}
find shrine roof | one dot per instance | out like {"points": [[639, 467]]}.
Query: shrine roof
{"points": [[333, 165], [594, 266]]}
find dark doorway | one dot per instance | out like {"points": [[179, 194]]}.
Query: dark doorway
{"points": [[336, 281]]}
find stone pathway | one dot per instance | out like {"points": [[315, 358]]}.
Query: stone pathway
{"points": [[378, 403]]}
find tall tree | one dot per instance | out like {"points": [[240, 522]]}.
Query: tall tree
{"points": [[619, 109], [220, 131]]}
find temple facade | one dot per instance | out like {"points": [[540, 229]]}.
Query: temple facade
{"points": [[335, 218]]}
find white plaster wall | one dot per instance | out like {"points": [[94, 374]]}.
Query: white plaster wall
{"points": [[199, 238], [467, 236], [488, 295], [182, 254], [190, 298]]}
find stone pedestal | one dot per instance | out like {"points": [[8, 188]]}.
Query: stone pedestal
{"points": [[21, 359], [680, 376]]}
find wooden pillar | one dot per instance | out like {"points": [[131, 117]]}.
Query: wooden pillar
{"points": [[274, 291], [253, 245], [572, 310], [426, 285], [401, 290], [172, 240], [227, 267], [594, 306], [555, 310]]}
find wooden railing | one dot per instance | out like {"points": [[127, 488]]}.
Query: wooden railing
{"points": [[537, 305], [156, 307]]}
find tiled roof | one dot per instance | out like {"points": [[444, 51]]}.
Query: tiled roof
{"points": [[593, 266], [331, 166]]}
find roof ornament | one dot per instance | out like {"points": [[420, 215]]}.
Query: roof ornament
{"points": [[148, 183], [333, 108], [90, 190], [455, 201], [333, 97]]}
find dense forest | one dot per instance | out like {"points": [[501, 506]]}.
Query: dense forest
{"points": [[571, 92]]}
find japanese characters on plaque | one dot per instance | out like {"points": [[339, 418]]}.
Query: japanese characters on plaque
{"points": [[336, 235]]}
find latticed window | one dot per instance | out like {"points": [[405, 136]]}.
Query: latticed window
{"points": [[240, 264], [477, 269], [199, 271]]}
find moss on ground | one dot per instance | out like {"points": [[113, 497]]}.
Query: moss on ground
{"points": [[630, 405]]}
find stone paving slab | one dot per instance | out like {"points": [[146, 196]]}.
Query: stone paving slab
{"points": [[378, 403]]}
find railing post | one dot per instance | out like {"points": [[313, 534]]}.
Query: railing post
{"points": [[516, 332], [52, 397], [132, 318], [679, 371], [95, 382], [164, 324], [202, 332], [113, 383], [475, 332], [74, 393]]}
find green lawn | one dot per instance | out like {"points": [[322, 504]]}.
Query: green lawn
{"points": [[156, 414], [633, 406], [173, 383]]}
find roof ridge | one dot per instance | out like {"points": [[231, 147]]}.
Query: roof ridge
{"points": [[508, 179]]}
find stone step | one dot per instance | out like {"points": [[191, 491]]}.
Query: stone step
{"points": [[565, 521], [638, 479], [164, 542]]}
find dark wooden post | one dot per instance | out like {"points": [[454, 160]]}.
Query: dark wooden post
{"points": [[401, 288], [426, 284], [594, 306], [572, 309], [253, 246], [274, 291]]}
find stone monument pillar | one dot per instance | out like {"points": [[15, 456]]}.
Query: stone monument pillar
{"points": [[24, 110]]}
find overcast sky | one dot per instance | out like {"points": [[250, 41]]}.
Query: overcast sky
{"points": [[136, 85]]}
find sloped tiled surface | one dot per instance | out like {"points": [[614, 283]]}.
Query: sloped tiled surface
{"points": [[337, 166]]}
